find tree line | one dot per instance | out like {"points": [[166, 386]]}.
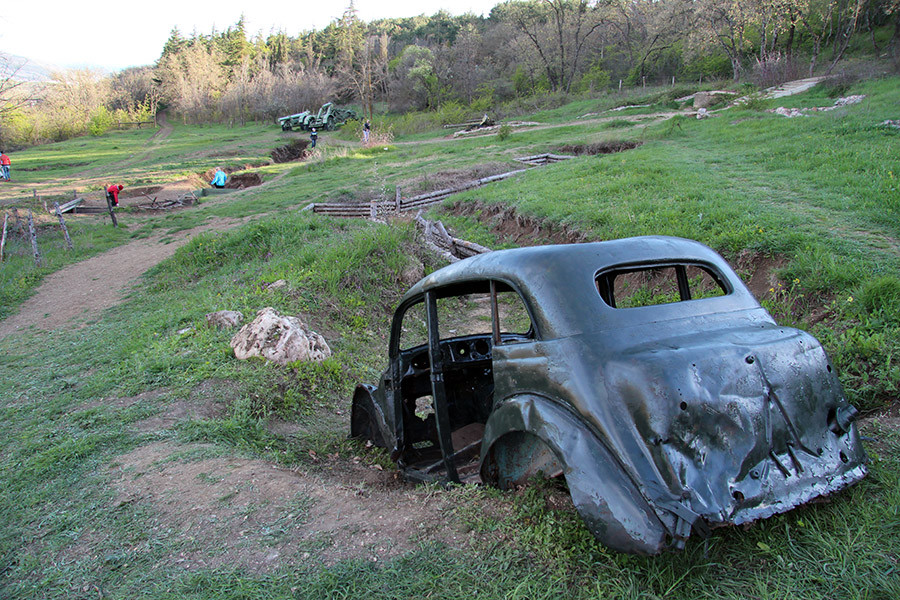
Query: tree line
{"points": [[523, 48]]}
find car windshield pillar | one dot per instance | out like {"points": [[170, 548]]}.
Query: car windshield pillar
{"points": [[495, 314], [438, 390]]}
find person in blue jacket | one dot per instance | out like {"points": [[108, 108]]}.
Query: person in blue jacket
{"points": [[313, 136], [219, 178]]}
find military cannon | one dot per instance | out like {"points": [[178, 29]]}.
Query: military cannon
{"points": [[290, 122], [328, 117]]}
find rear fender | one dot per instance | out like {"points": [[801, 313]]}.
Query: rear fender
{"points": [[367, 422], [527, 435]]}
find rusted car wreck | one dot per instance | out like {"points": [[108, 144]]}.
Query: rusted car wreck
{"points": [[642, 370]]}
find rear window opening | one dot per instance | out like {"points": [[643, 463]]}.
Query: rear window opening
{"points": [[651, 285]]}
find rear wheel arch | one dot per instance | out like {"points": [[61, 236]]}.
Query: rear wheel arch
{"points": [[526, 433]]}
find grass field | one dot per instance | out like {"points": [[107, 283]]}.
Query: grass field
{"points": [[122, 441]]}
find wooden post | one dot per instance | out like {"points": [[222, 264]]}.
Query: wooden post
{"points": [[620, 85], [397, 200], [3, 238], [112, 213], [19, 227], [373, 209], [34, 246], [62, 225]]}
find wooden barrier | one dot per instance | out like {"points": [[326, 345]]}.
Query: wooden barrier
{"points": [[34, 245], [373, 208], [62, 225]]}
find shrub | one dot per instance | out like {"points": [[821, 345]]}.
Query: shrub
{"points": [[451, 112]]}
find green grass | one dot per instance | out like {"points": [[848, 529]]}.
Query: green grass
{"points": [[820, 192]]}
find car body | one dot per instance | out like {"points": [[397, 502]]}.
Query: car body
{"points": [[642, 370]]}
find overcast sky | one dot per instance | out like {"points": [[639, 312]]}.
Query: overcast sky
{"points": [[114, 34]]}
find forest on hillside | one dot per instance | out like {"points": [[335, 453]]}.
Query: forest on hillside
{"points": [[542, 49]]}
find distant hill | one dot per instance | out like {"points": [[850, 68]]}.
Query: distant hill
{"points": [[20, 68]]}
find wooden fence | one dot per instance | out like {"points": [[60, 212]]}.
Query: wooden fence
{"points": [[376, 208]]}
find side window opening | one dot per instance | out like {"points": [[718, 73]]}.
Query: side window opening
{"points": [[467, 332], [414, 328], [659, 284]]}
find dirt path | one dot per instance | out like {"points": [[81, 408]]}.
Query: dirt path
{"points": [[82, 290]]}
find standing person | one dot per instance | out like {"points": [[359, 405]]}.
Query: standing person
{"points": [[112, 193], [313, 136], [4, 165], [219, 178], [366, 129]]}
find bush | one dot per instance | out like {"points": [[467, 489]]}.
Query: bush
{"points": [[774, 70], [485, 100], [839, 85], [504, 132], [451, 112], [595, 79]]}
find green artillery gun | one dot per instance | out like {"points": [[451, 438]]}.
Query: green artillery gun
{"points": [[329, 117], [290, 122]]}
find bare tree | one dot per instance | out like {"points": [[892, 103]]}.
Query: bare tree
{"points": [[16, 91], [558, 31], [644, 28], [728, 24]]}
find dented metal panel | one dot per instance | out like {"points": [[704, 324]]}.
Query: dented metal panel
{"points": [[664, 419]]}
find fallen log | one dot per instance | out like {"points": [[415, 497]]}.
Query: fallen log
{"points": [[439, 240]]}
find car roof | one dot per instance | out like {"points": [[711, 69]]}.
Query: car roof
{"points": [[558, 282]]}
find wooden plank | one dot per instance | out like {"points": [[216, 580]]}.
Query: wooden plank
{"points": [[424, 203], [70, 205], [62, 225]]}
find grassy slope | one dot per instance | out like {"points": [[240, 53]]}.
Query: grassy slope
{"points": [[823, 191], [748, 180]]}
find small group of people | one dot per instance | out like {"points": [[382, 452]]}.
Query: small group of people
{"points": [[4, 166]]}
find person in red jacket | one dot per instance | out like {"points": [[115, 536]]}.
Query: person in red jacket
{"points": [[4, 165], [112, 193]]}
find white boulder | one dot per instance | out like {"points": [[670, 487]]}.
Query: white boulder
{"points": [[281, 339]]}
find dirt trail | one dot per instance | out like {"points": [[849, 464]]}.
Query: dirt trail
{"points": [[83, 289]]}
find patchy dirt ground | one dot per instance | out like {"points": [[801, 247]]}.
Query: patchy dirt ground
{"points": [[254, 515]]}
